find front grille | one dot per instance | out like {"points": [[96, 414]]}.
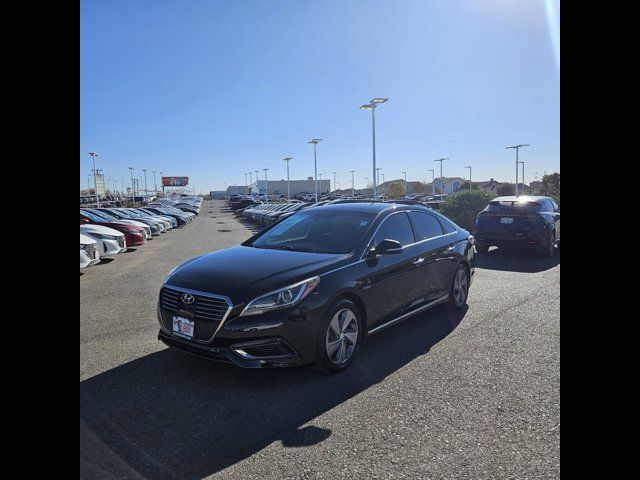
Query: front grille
{"points": [[120, 241], [90, 250], [207, 311]]}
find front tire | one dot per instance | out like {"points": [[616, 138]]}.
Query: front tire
{"points": [[339, 337], [459, 289]]}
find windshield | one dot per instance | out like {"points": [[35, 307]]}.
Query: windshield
{"points": [[511, 206], [319, 232], [92, 216]]}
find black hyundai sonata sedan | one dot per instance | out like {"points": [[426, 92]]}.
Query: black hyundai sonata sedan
{"points": [[310, 288]]}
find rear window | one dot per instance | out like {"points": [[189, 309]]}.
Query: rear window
{"points": [[511, 206]]}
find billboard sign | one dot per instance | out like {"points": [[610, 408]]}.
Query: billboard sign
{"points": [[175, 181]]}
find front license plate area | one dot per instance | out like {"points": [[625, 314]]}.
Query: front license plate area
{"points": [[506, 220], [183, 327]]}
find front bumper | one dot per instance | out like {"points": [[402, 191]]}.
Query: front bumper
{"points": [[281, 338]]}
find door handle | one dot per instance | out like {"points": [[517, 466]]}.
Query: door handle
{"points": [[418, 261], [450, 247]]}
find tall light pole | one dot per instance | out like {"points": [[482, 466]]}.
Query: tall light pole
{"points": [[433, 181], [372, 106], [353, 183], [469, 167], [288, 159], [441, 177], [266, 183], [93, 156], [161, 182], [523, 184], [246, 185], [334, 181], [315, 142], [145, 180], [257, 183], [133, 192], [251, 181], [517, 149], [155, 184], [376, 180]]}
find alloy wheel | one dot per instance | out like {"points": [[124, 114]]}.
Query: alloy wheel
{"points": [[342, 336], [460, 287]]}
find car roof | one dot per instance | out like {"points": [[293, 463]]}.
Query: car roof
{"points": [[521, 198], [368, 207]]}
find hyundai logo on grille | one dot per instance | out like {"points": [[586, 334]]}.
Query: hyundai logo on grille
{"points": [[187, 298]]}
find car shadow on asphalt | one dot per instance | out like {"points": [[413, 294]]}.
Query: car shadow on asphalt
{"points": [[171, 415], [513, 260], [253, 227]]}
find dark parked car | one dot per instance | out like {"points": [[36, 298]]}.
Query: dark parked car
{"points": [[309, 288], [525, 221]]}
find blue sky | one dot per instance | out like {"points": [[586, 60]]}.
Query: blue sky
{"points": [[211, 89]]}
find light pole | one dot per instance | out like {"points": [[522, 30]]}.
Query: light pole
{"points": [[433, 181], [93, 156], [523, 185], [469, 167], [257, 183], [315, 142], [376, 180], [441, 177], [246, 185], [155, 184], [162, 182], [288, 159], [251, 181], [517, 149], [145, 180], [353, 183], [372, 106], [133, 192], [266, 184], [405, 182], [334, 181]]}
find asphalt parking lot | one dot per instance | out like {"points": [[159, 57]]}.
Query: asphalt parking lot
{"points": [[471, 395]]}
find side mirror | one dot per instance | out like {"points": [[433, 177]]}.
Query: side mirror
{"points": [[387, 247]]}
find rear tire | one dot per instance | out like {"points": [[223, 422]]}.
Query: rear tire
{"points": [[339, 337], [549, 249], [459, 290]]}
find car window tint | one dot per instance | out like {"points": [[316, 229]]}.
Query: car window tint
{"points": [[395, 227], [447, 226], [427, 226]]}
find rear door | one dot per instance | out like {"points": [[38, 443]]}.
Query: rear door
{"points": [[390, 284]]}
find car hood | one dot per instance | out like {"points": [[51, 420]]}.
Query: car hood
{"points": [[89, 229], [242, 273], [133, 222]]}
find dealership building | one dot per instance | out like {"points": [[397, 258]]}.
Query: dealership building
{"points": [[279, 187]]}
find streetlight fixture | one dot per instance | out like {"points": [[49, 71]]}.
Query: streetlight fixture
{"points": [[469, 167], [288, 159], [517, 149], [441, 177], [266, 184], [372, 106], [315, 142], [93, 156], [353, 183]]}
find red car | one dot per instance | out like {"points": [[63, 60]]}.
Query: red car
{"points": [[134, 235]]}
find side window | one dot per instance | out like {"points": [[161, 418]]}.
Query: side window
{"points": [[427, 226], [555, 206], [395, 227], [447, 226], [547, 206]]}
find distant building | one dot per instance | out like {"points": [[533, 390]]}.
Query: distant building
{"points": [[218, 194], [237, 190], [279, 187], [450, 185]]}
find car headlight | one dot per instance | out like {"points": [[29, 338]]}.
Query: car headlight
{"points": [[285, 297], [104, 236]]}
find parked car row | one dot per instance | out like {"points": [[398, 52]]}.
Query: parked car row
{"points": [[108, 231]]}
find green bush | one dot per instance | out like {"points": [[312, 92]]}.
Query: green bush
{"points": [[463, 207]]}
